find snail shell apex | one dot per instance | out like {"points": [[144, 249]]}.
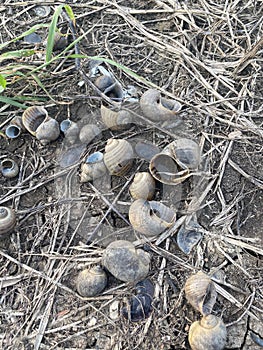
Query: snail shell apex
{"points": [[150, 218], [7, 220], [91, 282], [125, 262], [200, 292], [118, 156], [120, 120], [208, 334], [143, 186], [157, 108]]}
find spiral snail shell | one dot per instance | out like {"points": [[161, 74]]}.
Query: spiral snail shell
{"points": [[88, 133], [91, 282], [157, 108], [125, 262], [93, 168], [9, 168], [37, 121], [118, 156], [7, 220], [70, 130], [208, 334], [120, 120], [174, 164], [150, 218], [200, 292], [142, 186]]}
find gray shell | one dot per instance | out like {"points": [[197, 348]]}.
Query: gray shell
{"points": [[9, 168], [7, 220], [208, 334], [91, 282], [88, 133], [125, 262], [93, 168]]}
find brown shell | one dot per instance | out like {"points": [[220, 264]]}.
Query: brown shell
{"points": [[157, 108], [208, 334], [118, 156], [200, 292], [7, 220], [33, 117], [9, 168], [91, 282], [174, 164], [88, 133], [143, 186], [150, 218], [125, 262], [120, 120], [93, 168]]}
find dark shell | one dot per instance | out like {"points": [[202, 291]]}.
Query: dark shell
{"points": [[256, 339], [109, 86], [71, 156], [188, 236], [146, 150], [12, 131]]}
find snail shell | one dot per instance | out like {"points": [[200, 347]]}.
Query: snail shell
{"points": [[150, 218], [120, 120], [9, 168], [140, 306], [208, 334], [12, 131], [143, 186], [39, 124], [118, 156], [88, 133], [7, 220], [70, 130], [109, 86], [91, 282], [60, 41], [157, 108], [174, 164], [125, 262], [189, 235], [200, 292], [93, 168]]}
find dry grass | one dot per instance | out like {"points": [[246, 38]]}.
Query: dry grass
{"points": [[207, 54]]}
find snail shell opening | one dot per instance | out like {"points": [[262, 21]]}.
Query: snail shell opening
{"points": [[9, 168], [7, 220], [12, 131], [33, 117]]}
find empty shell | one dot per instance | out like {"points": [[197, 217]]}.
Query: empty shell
{"points": [[114, 120], [36, 120], [208, 334], [70, 130], [125, 262], [109, 86], [157, 108], [9, 168], [91, 282], [176, 162], [200, 292], [93, 168], [88, 133], [150, 218], [118, 156], [7, 220], [12, 131], [189, 235], [142, 186]]}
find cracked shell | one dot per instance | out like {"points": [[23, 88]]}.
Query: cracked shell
{"points": [[91, 282], [125, 262], [208, 334]]}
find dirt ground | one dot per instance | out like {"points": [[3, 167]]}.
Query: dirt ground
{"points": [[208, 56]]}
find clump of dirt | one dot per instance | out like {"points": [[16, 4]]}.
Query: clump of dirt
{"points": [[206, 55]]}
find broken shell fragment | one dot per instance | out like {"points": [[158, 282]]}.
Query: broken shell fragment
{"points": [[7, 220], [189, 235], [157, 108], [37, 121], [91, 282], [142, 186], [9, 168], [109, 86], [70, 130], [176, 162], [208, 334], [140, 305], [118, 156], [200, 292], [116, 120], [150, 218], [88, 133], [125, 262], [93, 168]]}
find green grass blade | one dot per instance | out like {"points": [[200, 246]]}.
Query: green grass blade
{"points": [[16, 54], [10, 101], [38, 81], [51, 33], [2, 83], [70, 13]]}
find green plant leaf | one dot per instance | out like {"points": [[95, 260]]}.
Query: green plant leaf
{"points": [[16, 54], [2, 83], [70, 13], [51, 33], [10, 101]]}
